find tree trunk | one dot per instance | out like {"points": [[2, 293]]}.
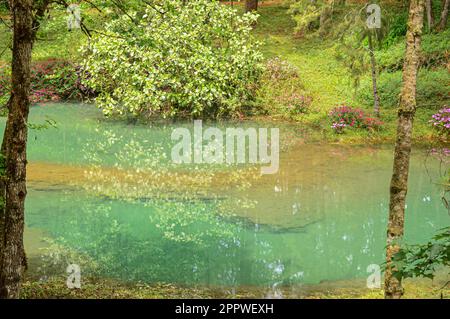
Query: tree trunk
{"points": [[399, 182], [430, 18], [444, 16], [12, 258], [376, 98], [251, 5]]}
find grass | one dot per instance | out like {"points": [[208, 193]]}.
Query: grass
{"points": [[109, 289], [329, 83], [321, 77], [54, 40]]}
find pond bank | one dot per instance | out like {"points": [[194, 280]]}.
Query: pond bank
{"points": [[107, 289]]}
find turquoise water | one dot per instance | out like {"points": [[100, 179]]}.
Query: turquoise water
{"points": [[98, 192]]}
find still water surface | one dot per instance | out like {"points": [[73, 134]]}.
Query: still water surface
{"points": [[105, 192]]}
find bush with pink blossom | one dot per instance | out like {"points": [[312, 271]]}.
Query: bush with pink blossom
{"points": [[441, 121], [51, 80], [344, 116]]}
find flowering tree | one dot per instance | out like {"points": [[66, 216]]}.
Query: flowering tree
{"points": [[176, 59]]}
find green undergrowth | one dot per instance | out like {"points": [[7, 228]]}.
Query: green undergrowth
{"points": [[321, 80], [329, 84], [108, 289]]}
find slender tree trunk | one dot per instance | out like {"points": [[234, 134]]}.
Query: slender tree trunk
{"points": [[430, 18], [444, 16], [399, 182], [12, 258], [251, 5], [376, 98]]}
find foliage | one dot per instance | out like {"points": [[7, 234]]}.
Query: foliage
{"points": [[4, 6], [194, 59], [423, 260], [5, 79], [307, 14], [281, 91], [51, 80], [110, 289], [356, 41], [397, 28], [347, 117], [278, 69], [441, 121], [432, 89], [434, 52], [101, 288], [298, 103]]}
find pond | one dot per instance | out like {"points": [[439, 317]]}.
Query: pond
{"points": [[104, 195]]}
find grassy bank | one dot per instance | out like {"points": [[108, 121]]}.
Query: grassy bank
{"points": [[321, 78], [108, 289], [329, 84]]}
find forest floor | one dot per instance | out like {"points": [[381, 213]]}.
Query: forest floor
{"points": [[109, 289]]}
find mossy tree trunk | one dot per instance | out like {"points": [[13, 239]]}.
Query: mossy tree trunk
{"points": [[399, 182], [12, 258]]}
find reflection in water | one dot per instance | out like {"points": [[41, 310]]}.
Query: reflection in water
{"points": [[109, 199]]}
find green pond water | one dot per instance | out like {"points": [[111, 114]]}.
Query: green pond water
{"points": [[322, 217]]}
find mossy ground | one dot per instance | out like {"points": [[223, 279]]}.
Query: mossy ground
{"points": [[109, 289]]}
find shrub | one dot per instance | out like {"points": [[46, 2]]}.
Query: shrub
{"points": [[346, 116], [51, 80], [278, 69], [372, 123], [434, 52], [441, 121], [432, 89], [281, 91], [423, 260], [311, 16], [195, 59], [397, 29], [298, 104]]}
